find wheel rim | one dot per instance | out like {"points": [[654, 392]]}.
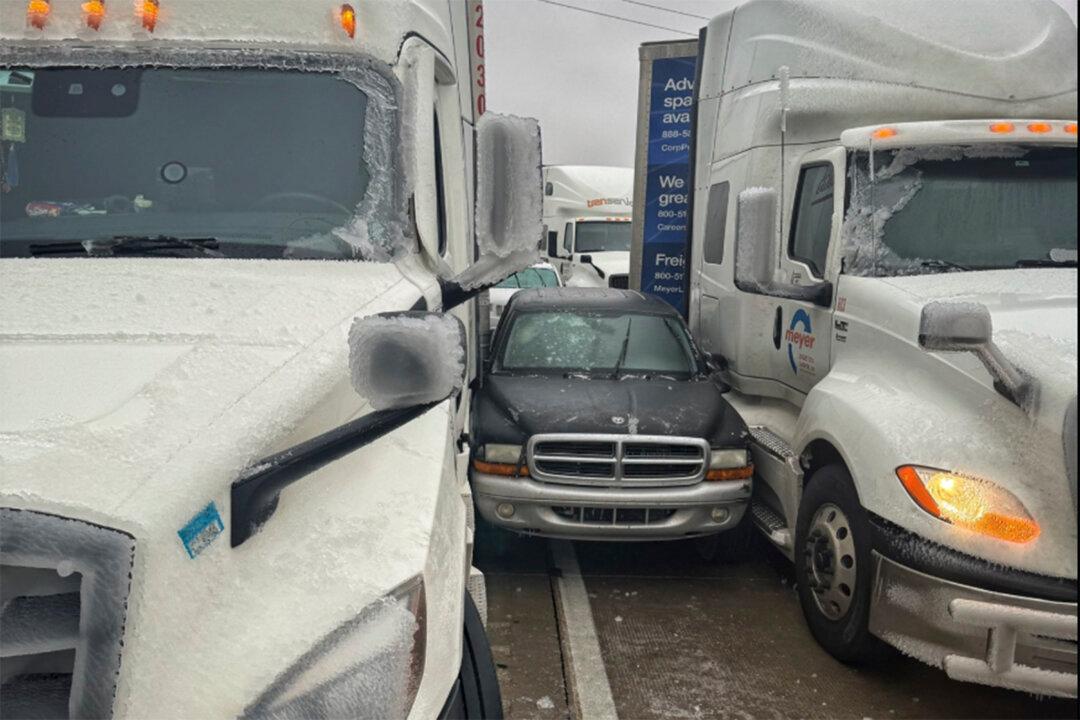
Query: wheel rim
{"points": [[829, 558]]}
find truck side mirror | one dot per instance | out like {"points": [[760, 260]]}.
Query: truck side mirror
{"points": [[755, 239], [968, 327], [404, 363], [553, 247]]}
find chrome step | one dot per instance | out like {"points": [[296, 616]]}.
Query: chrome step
{"points": [[772, 524], [772, 442]]}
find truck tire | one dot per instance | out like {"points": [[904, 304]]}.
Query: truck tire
{"points": [[833, 566], [475, 695]]}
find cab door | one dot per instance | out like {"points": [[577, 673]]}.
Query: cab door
{"points": [[802, 330]]}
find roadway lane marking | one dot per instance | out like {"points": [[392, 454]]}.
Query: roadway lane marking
{"points": [[587, 680]]}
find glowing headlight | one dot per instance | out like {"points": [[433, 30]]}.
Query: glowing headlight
{"points": [[496, 453], [969, 502], [369, 667]]}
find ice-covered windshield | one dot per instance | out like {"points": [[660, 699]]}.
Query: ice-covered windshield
{"points": [[961, 208], [593, 237], [531, 278], [561, 341], [252, 163]]}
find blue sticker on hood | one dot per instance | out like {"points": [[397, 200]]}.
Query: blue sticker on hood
{"points": [[201, 530]]}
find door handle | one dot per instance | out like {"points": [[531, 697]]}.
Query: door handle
{"points": [[777, 324]]}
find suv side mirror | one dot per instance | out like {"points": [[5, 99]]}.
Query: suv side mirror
{"points": [[968, 327]]}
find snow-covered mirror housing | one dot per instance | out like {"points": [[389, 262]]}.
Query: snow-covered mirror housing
{"points": [[968, 327], [509, 202], [755, 239], [404, 359]]}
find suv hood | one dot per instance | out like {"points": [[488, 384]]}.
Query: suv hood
{"points": [[124, 377], [511, 408]]}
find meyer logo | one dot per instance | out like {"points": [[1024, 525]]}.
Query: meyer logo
{"points": [[804, 338]]}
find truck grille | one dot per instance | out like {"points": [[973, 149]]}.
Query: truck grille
{"points": [[617, 460], [63, 598], [620, 282]]}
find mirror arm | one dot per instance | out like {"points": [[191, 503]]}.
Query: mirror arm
{"points": [[1008, 380], [255, 493], [598, 271]]}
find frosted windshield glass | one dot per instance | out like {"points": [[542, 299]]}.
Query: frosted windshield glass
{"points": [[595, 237], [264, 161], [580, 342]]}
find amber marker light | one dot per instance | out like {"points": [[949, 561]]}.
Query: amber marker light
{"points": [[95, 13], [1039, 127], [1001, 128], [883, 133], [37, 13], [504, 469], [1071, 128], [148, 13], [739, 473], [969, 502], [348, 20]]}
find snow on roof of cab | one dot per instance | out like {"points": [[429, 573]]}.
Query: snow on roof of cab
{"points": [[1020, 50], [381, 25]]}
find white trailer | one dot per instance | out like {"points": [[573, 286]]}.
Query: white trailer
{"points": [[884, 262], [214, 216], [587, 213]]}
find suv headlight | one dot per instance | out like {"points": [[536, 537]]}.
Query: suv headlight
{"points": [[370, 667], [969, 502], [730, 464], [500, 459]]}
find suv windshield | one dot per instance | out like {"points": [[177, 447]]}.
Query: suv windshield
{"points": [[602, 236], [568, 342], [248, 162], [951, 208], [531, 278]]}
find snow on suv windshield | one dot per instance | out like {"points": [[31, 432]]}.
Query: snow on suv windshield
{"points": [[947, 208], [249, 163]]}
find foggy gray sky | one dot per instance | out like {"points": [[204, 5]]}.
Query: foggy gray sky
{"points": [[577, 73]]}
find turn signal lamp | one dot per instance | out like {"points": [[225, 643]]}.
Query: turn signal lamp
{"points": [[729, 465], [500, 459], [970, 503], [1002, 127], [148, 12], [1071, 128], [348, 20], [37, 13], [95, 13], [883, 133], [1039, 127]]}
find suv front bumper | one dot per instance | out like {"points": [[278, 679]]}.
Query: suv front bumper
{"points": [[984, 633], [610, 513]]}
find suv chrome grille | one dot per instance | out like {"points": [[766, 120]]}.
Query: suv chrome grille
{"points": [[617, 460], [63, 597]]}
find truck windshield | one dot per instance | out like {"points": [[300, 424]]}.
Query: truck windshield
{"points": [[534, 277], [962, 208], [180, 162], [602, 236], [590, 343]]}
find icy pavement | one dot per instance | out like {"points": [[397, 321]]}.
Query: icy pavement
{"points": [[682, 638]]}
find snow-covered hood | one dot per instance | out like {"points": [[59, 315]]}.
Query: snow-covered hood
{"points": [[1034, 313], [113, 370]]}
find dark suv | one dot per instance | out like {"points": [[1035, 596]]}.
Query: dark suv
{"points": [[598, 418]]}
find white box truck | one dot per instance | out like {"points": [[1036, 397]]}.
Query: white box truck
{"points": [[587, 213], [883, 260], [214, 215]]}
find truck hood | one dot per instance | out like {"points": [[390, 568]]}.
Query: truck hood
{"points": [[611, 263], [113, 370], [510, 408], [1034, 313]]}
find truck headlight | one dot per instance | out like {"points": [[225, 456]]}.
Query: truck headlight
{"points": [[369, 667], [729, 464], [969, 502]]}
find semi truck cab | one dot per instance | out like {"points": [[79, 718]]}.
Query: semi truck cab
{"points": [[883, 259]]}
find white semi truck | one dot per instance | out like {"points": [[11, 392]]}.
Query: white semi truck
{"points": [[214, 215], [587, 213], [883, 260]]}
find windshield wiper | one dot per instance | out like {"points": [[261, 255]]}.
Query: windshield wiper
{"points": [[1045, 262], [622, 353], [129, 245], [943, 265]]}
